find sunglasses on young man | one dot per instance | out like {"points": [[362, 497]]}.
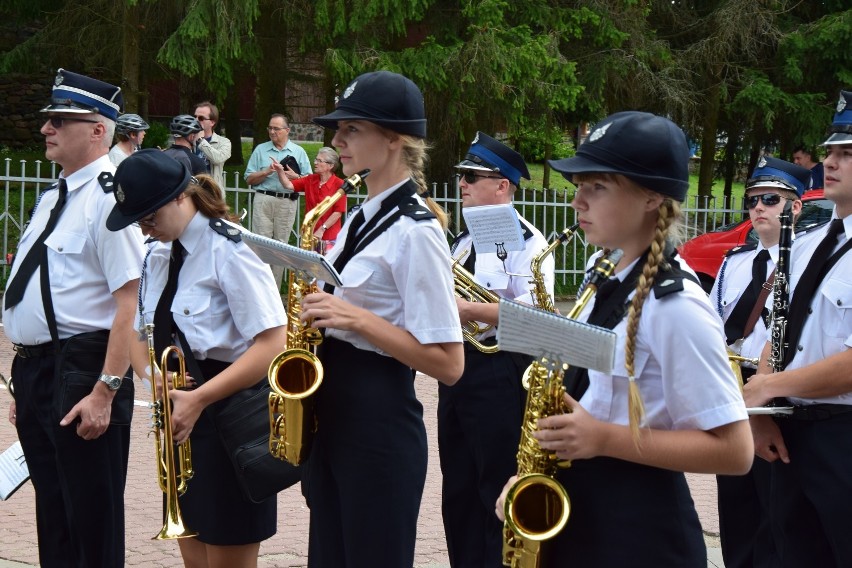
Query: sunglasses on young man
{"points": [[471, 177], [768, 199]]}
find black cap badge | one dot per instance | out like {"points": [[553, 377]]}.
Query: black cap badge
{"points": [[598, 133], [841, 104], [349, 90]]}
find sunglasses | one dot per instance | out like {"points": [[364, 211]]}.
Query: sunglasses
{"points": [[471, 177], [57, 121], [200, 118], [768, 199]]}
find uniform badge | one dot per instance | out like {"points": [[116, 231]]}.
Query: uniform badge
{"points": [[119, 195], [59, 78], [349, 90], [598, 133], [841, 104], [762, 162]]}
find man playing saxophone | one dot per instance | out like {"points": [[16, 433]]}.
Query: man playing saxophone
{"points": [[475, 460], [741, 295]]}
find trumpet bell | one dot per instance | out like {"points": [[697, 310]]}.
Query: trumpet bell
{"points": [[294, 376]]}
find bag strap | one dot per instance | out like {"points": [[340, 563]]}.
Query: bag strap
{"points": [[758, 305]]}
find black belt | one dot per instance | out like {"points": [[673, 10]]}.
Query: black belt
{"points": [[293, 195], [31, 351], [820, 411]]}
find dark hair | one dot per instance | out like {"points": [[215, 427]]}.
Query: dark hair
{"points": [[214, 111], [806, 150], [207, 197]]}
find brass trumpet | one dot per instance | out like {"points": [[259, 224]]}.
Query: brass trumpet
{"points": [[172, 482], [468, 289]]}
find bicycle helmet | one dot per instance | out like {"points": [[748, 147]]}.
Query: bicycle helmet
{"points": [[183, 125], [128, 123]]}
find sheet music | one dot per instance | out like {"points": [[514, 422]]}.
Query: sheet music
{"points": [[275, 252], [13, 470], [490, 225], [524, 329]]}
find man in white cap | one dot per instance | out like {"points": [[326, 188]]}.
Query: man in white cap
{"points": [[811, 450], [71, 283]]}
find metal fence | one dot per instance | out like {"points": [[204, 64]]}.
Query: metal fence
{"points": [[549, 210]]}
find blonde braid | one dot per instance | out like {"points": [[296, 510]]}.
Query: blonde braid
{"points": [[667, 214], [414, 154]]}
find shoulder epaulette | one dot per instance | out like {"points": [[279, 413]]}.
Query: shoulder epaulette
{"points": [[671, 280], [528, 234], [226, 230], [412, 208], [105, 179], [741, 248]]}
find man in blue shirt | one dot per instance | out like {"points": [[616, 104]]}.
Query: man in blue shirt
{"points": [[274, 209]]}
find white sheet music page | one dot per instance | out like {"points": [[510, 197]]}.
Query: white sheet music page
{"points": [[492, 225], [13, 470], [524, 329], [275, 252]]}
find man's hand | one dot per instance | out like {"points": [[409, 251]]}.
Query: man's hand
{"points": [[768, 441], [93, 413]]}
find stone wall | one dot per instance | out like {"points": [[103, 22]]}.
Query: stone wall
{"points": [[21, 99]]}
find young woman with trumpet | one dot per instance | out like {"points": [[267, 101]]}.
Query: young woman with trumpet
{"points": [[670, 404], [395, 314], [226, 306]]}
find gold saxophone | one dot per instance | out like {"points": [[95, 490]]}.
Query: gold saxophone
{"points": [[537, 506], [296, 373], [171, 481], [541, 297]]}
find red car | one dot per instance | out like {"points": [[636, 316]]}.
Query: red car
{"points": [[705, 252]]}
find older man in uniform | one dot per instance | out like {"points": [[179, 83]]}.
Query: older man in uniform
{"points": [[811, 450], [479, 418], [274, 210], [71, 283]]}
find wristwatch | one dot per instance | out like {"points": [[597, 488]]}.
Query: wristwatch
{"points": [[112, 381]]}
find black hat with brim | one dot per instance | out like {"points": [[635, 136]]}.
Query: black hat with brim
{"points": [[144, 182], [388, 99], [647, 149]]}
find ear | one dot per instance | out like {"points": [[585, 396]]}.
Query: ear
{"points": [[653, 200], [797, 207]]}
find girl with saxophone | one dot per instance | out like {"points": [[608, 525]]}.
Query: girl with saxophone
{"points": [[671, 404], [205, 291], [395, 314]]}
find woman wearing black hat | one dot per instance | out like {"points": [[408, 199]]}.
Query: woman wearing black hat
{"points": [[395, 314], [225, 307], [670, 403]]}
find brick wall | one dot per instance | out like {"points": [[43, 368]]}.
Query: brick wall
{"points": [[21, 98]]}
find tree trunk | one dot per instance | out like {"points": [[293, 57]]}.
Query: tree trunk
{"points": [[130, 66], [231, 111]]}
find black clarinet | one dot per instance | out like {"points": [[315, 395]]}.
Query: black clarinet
{"points": [[781, 291]]}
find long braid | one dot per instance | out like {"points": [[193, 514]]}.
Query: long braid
{"points": [[414, 154], [667, 214]]}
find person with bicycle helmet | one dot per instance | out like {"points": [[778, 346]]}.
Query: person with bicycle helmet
{"points": [[186, 130], [130, 131]]}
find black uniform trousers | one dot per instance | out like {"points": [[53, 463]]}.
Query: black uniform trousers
{"points": [[744, 526], [811, 507], [626, 514], [79, 484], [365, 476], [479, 429]]}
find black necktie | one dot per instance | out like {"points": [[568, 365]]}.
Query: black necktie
{"points": [[735, 323], [36, 255], [163, 320], [807, 285]]}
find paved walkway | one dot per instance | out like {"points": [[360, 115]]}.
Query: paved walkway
{"points": [[288, 548]]}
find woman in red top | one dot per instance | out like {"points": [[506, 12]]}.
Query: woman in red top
{"points": [[316, 187]]}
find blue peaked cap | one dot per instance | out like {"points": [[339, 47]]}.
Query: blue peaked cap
{"points": [[488, 154], [79, 94], [840, 131], [772, 172]]}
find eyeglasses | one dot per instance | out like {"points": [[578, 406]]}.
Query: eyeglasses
{"points": [[323, 161], [768, 199], [56, 121], [471, 177], [148, 222], [202, 118], [276, 128]]}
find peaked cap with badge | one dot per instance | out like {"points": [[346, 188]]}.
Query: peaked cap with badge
{"points": [[840, 131], [75, 93], [384, 98], [648, 149], [773, 172], [144, 182], [489, 155]]}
